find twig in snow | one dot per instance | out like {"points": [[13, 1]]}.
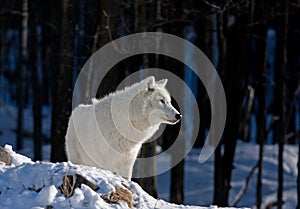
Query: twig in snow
{"points": [[245, 187]]}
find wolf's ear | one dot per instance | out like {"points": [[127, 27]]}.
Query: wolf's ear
{"points": [[162, 82], [150, 82]]}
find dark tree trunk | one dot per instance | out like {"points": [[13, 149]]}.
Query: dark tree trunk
{"points": [[22, 73], [260, 16], [281, 69], [175, 9], [204, 41], [293, 49], [235, 84], [36, 83], [57, 150], [92, 18], [218, 168], [218, 173], [261, 116], [62, 74], [45, 43], [234, 44], [177, 181]]}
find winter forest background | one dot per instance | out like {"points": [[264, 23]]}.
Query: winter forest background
{"points": [[253, 44]]}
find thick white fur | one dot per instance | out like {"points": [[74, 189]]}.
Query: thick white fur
{"points": [[110, 132]]}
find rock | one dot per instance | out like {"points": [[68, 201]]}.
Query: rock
{"points": [[4, 156]]}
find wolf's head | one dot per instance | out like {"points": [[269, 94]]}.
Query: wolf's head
{"points": [[157, 102]]}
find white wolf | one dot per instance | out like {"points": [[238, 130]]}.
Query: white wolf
{"points": [[110, 132]]}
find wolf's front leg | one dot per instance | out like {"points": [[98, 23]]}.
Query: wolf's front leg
{"points": [[125, 167]]}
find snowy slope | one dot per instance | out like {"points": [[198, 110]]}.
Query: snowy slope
{"points": [[27, 184]]}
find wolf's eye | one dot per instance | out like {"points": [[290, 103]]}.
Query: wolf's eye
{"points": [[162, 101]]}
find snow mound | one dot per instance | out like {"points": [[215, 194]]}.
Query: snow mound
{"points": [[33, 185]]}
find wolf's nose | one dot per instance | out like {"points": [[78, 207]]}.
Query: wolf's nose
{"points": [[178, 116]]}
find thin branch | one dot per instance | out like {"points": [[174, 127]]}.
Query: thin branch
{"points": [[245, 187], [11, 12], [295, 5], [108, 28], [94, 47], [212, 5], [272, 204], [177, 20], [105, 13], [108, 16]]}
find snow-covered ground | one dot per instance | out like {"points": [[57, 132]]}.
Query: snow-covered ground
{"points": [[198, 177], [26, 184]]}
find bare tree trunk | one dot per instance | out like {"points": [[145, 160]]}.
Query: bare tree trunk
{"points": [[177, 177], [233, 53], [294, 51], [45, 43], [36, 83], [177, 173], [261, 12], [62, 81], [261, 119], [22, 74], [261, 115], [235, 82], [218, 173], [259, 174], [284, 124], [218, 163], [204, 25]]}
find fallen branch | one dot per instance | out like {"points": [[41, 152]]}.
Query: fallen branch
{"points": [[245, 187], [120, 194], [272, 204], [71, 182]]}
